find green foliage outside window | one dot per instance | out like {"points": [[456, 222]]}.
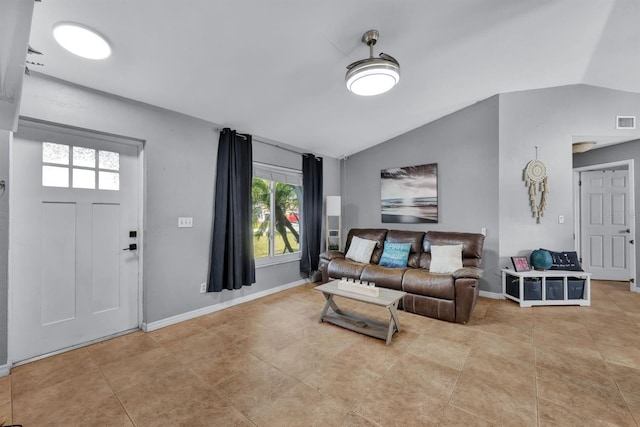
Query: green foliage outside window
{"points": [[286, 217]]}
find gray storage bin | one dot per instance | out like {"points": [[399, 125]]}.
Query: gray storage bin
{"points": [[576, 288], [554, 289], [532, 288]]}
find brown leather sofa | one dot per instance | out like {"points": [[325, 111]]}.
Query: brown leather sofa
{"points": [[450, 297]]}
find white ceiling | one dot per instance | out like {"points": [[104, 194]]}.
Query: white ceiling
{"points": [[275, 68]]}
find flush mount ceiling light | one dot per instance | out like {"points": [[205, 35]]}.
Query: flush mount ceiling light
{"points": [[372, 76], [81, 41]]}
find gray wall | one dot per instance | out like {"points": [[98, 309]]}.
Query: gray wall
{"points": [[549, 119], [465, 147], [4, 241], [179, 168], [481, 153], [627, 151]]}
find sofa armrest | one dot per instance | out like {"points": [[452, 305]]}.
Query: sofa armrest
{"points": [[468, 272], [467, 291], [329, 255], [325, 259]]}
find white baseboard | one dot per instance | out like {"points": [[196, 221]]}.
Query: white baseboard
{"points": [[152, 326], [5, 370], [492, 295]]}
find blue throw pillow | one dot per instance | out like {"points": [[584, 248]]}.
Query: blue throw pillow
{"points": [[395, 255]]}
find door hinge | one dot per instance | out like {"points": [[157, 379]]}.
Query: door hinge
{"points": [[579, 183]]}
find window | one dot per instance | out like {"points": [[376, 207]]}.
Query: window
{"points": [[277, 200], [58, 160]]}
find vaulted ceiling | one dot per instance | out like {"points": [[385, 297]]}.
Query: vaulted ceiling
{"points": [[275, 68]]}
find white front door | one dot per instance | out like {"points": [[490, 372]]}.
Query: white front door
{"points": [[74, 210], [606, 226]]}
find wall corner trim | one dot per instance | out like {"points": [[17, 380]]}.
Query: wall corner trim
{"points": [[5, 370], [152, 326], [492, 295]]}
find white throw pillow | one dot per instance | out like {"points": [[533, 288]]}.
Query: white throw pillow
{"points": [[360, 250], [445, 259]]}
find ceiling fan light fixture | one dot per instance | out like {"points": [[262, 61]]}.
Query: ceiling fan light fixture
{"points": [[372, 76], [81, 40]]}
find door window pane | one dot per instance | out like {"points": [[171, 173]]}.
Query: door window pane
{"points": [[86, 170], [55, 153], [84, 157], [55, 176], [84, 178], [108, 180], [109, 160]]}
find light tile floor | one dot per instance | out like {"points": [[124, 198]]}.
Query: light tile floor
{"points": [[270, 363]]}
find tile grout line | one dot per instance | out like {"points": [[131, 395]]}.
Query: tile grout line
{"points": [[111, 388], [605, 362]]}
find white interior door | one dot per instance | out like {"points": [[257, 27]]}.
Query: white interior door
{"points": [[606, 226], [74, 204]]}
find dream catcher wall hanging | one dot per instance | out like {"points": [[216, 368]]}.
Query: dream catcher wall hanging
{"points": [[536, 180]]}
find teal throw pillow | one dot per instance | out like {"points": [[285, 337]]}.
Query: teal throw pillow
{"points": [[395, 255]]}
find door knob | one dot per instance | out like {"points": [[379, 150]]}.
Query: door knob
{"points": [[631, 242], [132, 247], [625, 231]]}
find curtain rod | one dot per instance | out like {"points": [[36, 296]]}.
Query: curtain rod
{"points": [[271, 144]]}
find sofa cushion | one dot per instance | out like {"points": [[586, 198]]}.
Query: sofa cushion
{"points": [[445, 259], [472, 244], [421, 282], [384, 277], [395, 254], [360, 250], [375, 234], [342, 267]]}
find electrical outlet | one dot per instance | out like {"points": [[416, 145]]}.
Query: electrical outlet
{"points": [[203, 287], [185, 222]]}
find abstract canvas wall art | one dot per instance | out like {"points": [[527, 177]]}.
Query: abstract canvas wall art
{"points": [[409, 194]]}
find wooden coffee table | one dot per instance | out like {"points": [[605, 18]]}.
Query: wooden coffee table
{"points": [[388, 298]]}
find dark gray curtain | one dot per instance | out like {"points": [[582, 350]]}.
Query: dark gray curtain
{"points": [[311, 213], [232, 264]]}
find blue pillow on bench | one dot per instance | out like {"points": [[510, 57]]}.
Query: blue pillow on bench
{"points": [[395, 255]]}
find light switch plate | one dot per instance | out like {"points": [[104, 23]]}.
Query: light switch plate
{"points": [[560, 219], [185, 222]]}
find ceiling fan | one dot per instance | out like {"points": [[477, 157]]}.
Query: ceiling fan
{"points": [[372, 76]]}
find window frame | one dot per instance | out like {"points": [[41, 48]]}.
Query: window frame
{"points": [[275, 174]]}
